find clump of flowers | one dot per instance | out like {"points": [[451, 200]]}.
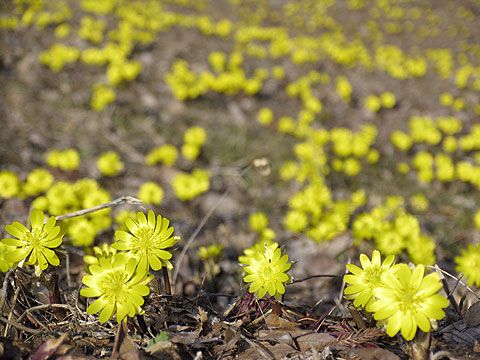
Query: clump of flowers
{"points": [[166, 154], [6, 252], [81, 231], [188, 186], [109, 163], [67, 160], [146, 240], [266, 271], [119, 285], [38, 181], [265, 116], [150, 193], [10, 185], [397, 297], [468, 263], [194, 138], [102, 95], [36, 243]]}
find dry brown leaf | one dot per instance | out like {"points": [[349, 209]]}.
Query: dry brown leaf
{"points": [[472, 316], [273, 320], [124, 347], [279, 336], [370, 354], [48, 348], [266, 351], [314, 340]]}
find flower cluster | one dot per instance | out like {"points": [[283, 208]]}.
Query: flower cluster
{"points": [[65, 197], [150, 193], [468, 264], [166, 154], [374, 103], [188, 186], [393, 231], [118, 274], [58, 56], [10, 185], [193, 140], [66, 160], [398, 297], [109, 163]]}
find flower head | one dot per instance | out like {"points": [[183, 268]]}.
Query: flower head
{"points": [[146, 240], [266, 271], [36, 244], [469, 263], [363, 281], [408, 299], [6, 252], [109, 163], [119, 285]]}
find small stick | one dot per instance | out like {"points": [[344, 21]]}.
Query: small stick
{"points": [[40, 307], [10, 314], [168, 289], [3, 293], [437, 268], [119, 201], [24, 328], [316, 276]]}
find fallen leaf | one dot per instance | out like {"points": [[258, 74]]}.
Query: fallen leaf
{"points": [[472, 316], [48, 348], [370, 354], [316, 341], [265, 350]]}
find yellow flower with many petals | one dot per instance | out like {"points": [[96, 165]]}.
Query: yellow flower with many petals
{"points": [[6, 252], [363, 281], [36, 244], [468, 263], [409, 300], [119, 285], [146, 240], [267, 271]]}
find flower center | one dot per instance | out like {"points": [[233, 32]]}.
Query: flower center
{"points": [[113, 287], [373, 275], [407, 299], [143, 240]]}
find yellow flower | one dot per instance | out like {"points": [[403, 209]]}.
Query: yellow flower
{"points": [[6, 252], [109, 163], [363, 281], [258, 221], [468, 263], [38, 181], [146, 240], [166, 154], [266, 271], [150, 193], [9, 184], [119, 286], [407, 300], [103, 250], [265, 116], [36, 244]]}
